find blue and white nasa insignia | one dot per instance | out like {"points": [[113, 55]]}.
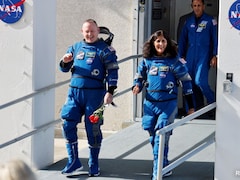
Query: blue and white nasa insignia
{"points": [[80, 55], [153, 70]]}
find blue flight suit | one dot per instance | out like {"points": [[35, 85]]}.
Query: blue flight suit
{"points": [[94, 67], [161, 76], [198, 44]]}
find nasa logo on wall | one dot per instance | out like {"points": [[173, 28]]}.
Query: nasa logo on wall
{"points": [[234, 14], [11, 11]]}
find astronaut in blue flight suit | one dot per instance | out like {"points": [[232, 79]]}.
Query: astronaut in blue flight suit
{"points": [[94, 66], [198, 46], [160, 72]]}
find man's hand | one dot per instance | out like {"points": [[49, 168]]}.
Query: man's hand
{"points": [[190, 111], [213, 62], [67, 58], [108, 98]]}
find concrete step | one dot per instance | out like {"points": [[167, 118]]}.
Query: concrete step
{"points": [[127, 154]]}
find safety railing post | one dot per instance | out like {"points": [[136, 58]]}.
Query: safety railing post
{"points": [[160, 155], [161, 133]]}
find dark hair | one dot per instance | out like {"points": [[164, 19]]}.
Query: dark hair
{"points": [[150, 51], [202, 1]]}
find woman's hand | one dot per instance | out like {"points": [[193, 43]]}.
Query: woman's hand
{"points": [[136, 89]]}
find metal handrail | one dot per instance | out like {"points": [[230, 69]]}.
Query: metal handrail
{"points": [[44, 89], [55, 86], [33, 94], [30, 133], [209, 140], [129, 57], [161, 133]]}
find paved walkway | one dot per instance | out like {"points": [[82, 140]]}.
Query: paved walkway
{"points": [[127, 155]]}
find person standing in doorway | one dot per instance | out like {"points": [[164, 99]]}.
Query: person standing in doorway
{"points": [[199, 99], [161, 71], [198, 46], [94, 68]]}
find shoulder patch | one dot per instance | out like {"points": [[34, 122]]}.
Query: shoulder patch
{"points": [[182, 60], [214, 21], [111, 48]]}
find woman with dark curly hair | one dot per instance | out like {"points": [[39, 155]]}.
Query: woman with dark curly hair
{"points": [[161, 72]]}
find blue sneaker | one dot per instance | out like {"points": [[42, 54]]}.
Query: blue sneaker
{"points": [[96, 174], [94, 169], [72, 168], [73, 165]]}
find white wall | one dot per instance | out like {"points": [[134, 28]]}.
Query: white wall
{"points": [[27, 50], [29, 62], [227, 165]]}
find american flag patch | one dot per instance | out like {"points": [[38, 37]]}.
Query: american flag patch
{"points": [[214, 21]]}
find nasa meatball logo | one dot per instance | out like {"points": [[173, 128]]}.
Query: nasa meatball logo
{"points": [[234, 15], [11, 11]]}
